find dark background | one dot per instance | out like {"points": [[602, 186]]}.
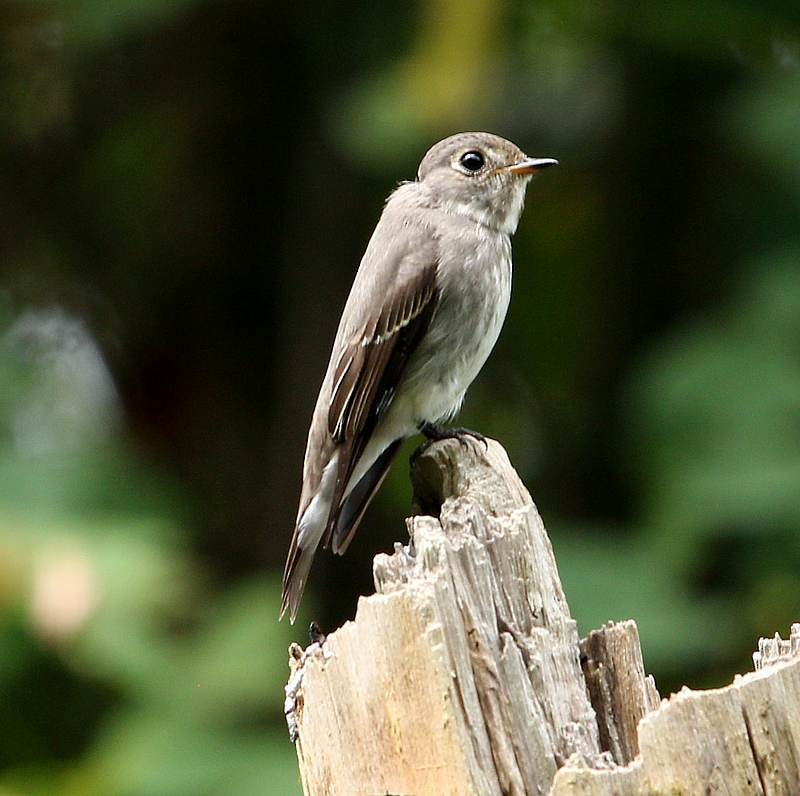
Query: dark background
{"points": [[187, 188]]}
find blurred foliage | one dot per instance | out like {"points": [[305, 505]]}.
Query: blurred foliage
{"points": [[188, 187], [714, 439], [96, 591]]}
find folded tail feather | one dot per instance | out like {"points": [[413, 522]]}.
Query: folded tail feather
{"points": [[352, 508], [344, 520], [295, 575]]}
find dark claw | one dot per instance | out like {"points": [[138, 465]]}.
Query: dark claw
{"points": [[462, 432], [433, 431], [315, 635]]}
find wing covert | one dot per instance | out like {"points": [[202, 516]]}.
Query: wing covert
{"points": [[369, 368]]}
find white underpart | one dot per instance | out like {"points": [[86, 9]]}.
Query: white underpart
{"points": [[467, 337], [487, 216], [312, 523]]}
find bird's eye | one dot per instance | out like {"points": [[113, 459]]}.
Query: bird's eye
{"points": [[472, 161]]}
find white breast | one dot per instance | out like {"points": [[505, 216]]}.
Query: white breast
{"points": [[476, 290]]}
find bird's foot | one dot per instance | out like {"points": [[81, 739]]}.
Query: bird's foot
{"points": [[435, 432]]}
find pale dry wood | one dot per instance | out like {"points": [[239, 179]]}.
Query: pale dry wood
{"points": [[741, 740], [462, 674], [775, 649]]}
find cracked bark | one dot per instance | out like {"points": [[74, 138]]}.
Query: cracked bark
{"points": [[464, 674]]}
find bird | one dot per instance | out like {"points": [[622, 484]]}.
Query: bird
{"points": [[423, 314]]}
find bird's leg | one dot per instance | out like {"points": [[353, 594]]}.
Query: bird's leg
{"points": [[433, 431]]}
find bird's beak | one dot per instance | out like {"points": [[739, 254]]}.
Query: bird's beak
{"points": [[531, 165]]}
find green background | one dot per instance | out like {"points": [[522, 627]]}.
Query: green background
{"points": [[186, 190]]}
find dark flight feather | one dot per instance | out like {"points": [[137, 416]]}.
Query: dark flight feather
{"points": [[366, 377], [355, 504]]}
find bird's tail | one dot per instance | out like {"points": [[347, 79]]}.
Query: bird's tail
{"points": [[295, 575], [337, 521], [308, 531]]}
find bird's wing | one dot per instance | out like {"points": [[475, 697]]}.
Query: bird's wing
{"points": [[389, 308], [367, 372]]}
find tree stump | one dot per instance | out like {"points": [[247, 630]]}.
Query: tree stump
{"points": [[464, 674]]}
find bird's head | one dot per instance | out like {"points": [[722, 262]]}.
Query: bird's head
{"points": [[481, 176]]}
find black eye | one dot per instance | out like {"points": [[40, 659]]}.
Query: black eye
{"points": [[472, 160]]}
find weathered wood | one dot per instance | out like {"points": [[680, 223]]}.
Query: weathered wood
{"points": [[621, 693], [463, 674], [742, 739], [771, 650]]}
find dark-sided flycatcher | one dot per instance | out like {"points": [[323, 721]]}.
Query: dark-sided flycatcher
{"points": [[424, 312]]}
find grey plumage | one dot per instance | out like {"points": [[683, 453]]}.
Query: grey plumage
{"points": [[424, 312]]}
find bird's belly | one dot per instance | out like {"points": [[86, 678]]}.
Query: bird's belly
{"points": [[456, 372], [455, 348]]}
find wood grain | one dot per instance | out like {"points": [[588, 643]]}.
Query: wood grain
{"points": [[464, 675]]}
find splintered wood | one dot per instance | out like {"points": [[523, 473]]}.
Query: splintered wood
{"points": [[464, 673], [621, 694], [743, 739]]}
